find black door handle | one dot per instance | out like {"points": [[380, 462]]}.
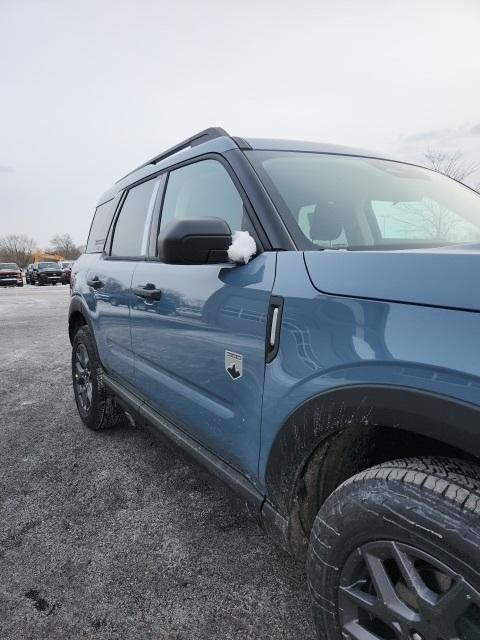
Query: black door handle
{"points": [[95, 283], [148, 291]]}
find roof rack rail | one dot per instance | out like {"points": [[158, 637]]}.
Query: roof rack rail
{"points": [[198, 138]]}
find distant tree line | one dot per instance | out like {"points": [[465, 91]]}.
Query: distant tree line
{"points": [[21, 248], [65, 246]]}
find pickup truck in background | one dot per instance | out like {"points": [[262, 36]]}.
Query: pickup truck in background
{"points": [[10, 275]]}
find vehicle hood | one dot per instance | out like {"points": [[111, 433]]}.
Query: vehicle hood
{"points": [[433, 277], [8, 272]]}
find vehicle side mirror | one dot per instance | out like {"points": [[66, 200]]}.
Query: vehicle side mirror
{"points": [[194, 241]]}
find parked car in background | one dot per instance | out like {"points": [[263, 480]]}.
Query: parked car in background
{"points": [[10, 275], [333, 380], [46, 273], [66, 266], [28, 274]]}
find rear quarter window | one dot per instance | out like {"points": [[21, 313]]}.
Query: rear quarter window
{"points": [[100, 226]]}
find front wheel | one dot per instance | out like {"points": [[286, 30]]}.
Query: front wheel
{"points": [[394, 554], [96, 406]]}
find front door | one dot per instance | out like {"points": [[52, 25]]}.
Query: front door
{"points": [[200, 349]]}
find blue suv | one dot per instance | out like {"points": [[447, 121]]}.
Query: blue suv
{"points": [[332, 380]]}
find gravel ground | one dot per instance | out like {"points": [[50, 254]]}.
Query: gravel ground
{"points": [[116, 534]]}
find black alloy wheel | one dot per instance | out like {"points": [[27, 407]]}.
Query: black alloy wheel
{"points": [[83, 378], [393, 591], [96, 406], [394, 553]]}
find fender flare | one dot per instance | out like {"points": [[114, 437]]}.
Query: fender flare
{"points": [[442, 418], [77, 305]]}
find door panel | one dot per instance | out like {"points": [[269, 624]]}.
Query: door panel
{"points": [[180, 344], [110, 312], [111, 280]]}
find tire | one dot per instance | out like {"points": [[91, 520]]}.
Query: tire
{"points": [[95, 404], [19, 284], [395, 553]]}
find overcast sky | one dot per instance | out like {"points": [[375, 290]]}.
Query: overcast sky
{"points": [[91, 89]]}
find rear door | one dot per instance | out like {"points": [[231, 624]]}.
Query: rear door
{"points": [[200, 348], [110, 278]]}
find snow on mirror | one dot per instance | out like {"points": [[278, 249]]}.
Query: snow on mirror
{"points": [[243, 247]]}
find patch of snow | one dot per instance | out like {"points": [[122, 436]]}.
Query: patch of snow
{"points": [[243, 247]]}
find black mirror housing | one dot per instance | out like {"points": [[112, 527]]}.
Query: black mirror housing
{"points": [[194, 241]]}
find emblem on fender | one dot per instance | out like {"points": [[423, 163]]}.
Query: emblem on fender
{"points": [[234, 364]]}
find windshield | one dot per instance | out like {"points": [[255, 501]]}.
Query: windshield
{"points": [[348, 202], [11, 266], [47, 265]]}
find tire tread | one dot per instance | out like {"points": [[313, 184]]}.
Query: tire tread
{"points": [[456, 480], [432, 501]]}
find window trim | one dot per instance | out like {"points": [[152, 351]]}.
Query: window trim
{"points": [[155, 221], [148, 220]]}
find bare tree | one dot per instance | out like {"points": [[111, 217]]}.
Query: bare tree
{"points": [[65, 246], [17, 248], [453, 164], [430, 219]]}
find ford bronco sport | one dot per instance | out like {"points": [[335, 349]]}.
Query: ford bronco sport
{"points": [[333, 380]]}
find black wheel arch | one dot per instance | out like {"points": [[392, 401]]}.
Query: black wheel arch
{"points": [[78, 316], [348, 429]]}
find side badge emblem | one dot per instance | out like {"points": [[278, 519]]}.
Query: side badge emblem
{"points": [[234, 364]]}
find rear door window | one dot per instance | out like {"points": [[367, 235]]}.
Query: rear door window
{"points": [[131, 229]]}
